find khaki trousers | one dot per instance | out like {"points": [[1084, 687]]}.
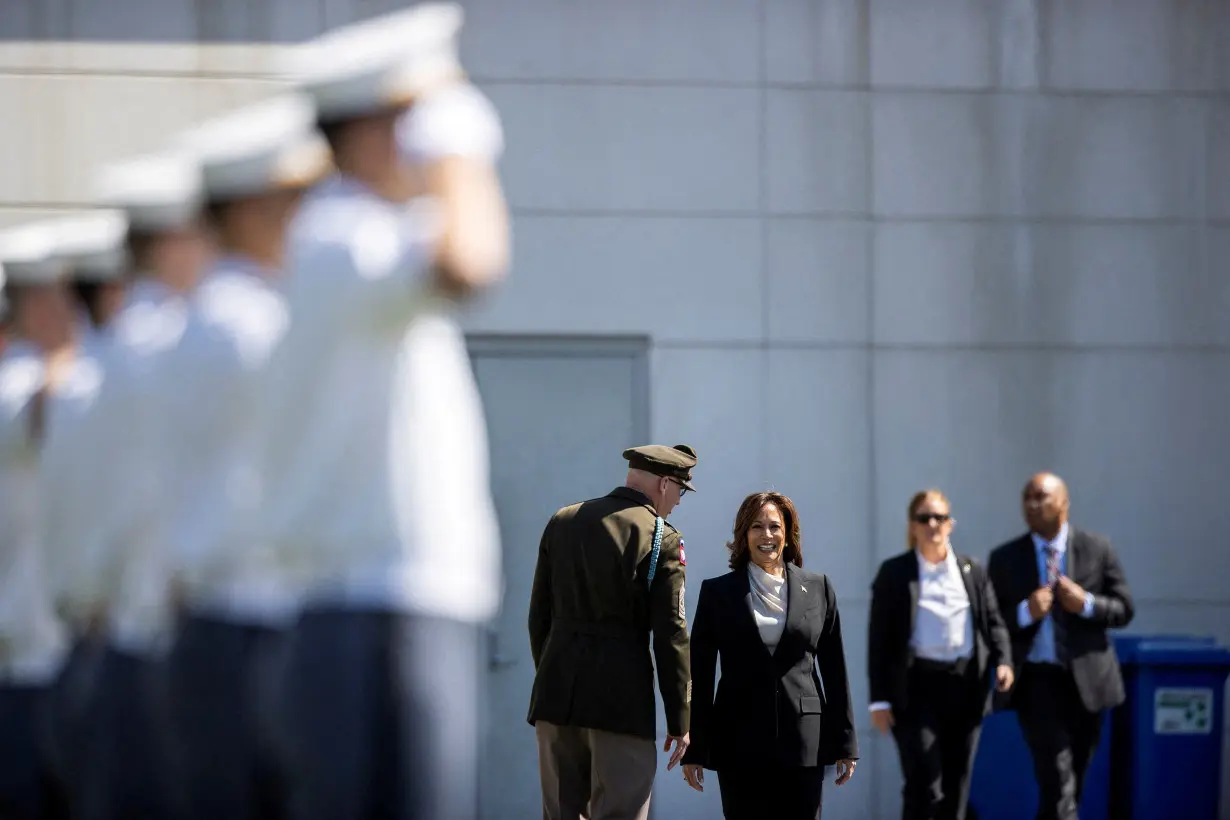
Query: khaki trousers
{"points": [[588, 774]]}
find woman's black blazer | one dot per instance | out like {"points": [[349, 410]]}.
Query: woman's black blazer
{"points": [[894, 607], [769, 703]]}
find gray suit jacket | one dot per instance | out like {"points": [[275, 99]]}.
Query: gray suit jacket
{"points": [[1092, 563]]}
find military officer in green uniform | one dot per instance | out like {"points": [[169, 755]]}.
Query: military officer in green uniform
{"points": [[610, 572]]}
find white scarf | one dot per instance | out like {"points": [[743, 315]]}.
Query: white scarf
{"points": [[768, 604]]}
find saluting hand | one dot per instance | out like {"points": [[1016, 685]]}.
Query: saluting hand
{"points": [[57, 366]]}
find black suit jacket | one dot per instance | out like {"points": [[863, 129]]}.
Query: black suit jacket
{"points": [[769, 705], [894, 607], [1092, 563]]}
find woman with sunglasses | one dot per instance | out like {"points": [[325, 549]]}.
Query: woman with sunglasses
{"points": [[937, 647]]}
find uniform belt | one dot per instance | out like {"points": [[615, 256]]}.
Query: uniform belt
{"points": [[603, 629]]}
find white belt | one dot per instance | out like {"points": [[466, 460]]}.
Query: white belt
{"points": [[256, 603], [33, 668], [142, 638]]}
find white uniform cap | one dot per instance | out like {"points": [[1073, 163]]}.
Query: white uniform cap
{"points": [[27, 253], [267, 146], [92, 246], [158, 192], [385, 62]]}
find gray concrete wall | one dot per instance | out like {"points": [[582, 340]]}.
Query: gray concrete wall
{"points": [[878, 245]]}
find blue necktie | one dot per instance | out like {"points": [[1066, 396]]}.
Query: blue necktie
{"points": [[1057, 615], [1052, 566]]}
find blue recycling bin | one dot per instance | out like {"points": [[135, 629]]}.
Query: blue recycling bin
{"points": [[1002, 786], [1166, 760]]}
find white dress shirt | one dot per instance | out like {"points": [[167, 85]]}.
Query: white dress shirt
{"points": [[943, 628], [377, 454], [768, 604], [133, 408], [235, 320], [32, 640]]}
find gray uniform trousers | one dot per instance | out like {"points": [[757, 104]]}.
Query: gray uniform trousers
{"points": [[221, 676], [381, 716], [129, 768], [69, 719]]}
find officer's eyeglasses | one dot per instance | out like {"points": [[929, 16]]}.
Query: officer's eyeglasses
{"points": [[682, 489]]}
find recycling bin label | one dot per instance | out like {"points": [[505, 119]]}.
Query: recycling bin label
{"points": [[1183, 711]]}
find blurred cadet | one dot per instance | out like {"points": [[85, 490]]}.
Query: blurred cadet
{"points": [[236, 607], [90, 250], [610, 571], [380, 498], [129, 754], [37, 364], [4, 315]]}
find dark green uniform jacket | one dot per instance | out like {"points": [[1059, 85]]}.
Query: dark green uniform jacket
{"points": [[591, 614]]}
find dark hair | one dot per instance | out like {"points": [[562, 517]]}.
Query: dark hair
{"points": [[333, 127], [214, 211], [748, 510], [331, 130], [138, 244], [88, 296], [15, 295]]}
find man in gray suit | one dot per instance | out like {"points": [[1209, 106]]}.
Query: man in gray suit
{"points": [[1060, 589]]}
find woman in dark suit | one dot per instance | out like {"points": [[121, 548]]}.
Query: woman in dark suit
{"points": [[772, 624], [937, 647]]}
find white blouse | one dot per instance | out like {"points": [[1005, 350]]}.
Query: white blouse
{"points": [[943, 628], [768, 604]]}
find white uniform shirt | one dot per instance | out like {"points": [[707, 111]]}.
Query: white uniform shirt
{"points": [[32, 640], [134, 410], [70, 473], [378, 454], [943, 628], [234, 322]]}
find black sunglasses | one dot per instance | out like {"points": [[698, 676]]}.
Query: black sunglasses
{"points": [[682, 489], [926, 518]]}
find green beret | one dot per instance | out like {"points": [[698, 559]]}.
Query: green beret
{"points": [[673, 462]]}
